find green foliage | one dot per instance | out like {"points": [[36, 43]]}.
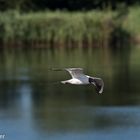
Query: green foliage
{"points": [[64, 28]]}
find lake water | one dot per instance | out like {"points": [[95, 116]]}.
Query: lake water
{"points": [[35, 106]]}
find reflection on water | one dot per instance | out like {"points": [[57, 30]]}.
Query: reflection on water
{"points": [[34, 105]]}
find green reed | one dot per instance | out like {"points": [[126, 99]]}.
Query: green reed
{"points": [[59, 27]]}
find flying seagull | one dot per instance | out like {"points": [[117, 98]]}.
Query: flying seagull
{"points": [[79, 78]]}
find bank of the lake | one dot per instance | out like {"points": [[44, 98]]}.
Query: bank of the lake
{"points": [[93, 28]]}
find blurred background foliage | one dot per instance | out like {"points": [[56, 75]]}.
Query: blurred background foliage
{"points": [[27, 5], [69, 22]]}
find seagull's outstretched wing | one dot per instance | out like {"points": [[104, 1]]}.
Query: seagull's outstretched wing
{"points": [[74, 72], [98, 82]]}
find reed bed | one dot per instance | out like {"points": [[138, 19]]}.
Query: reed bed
{"points": [[58, 27]]}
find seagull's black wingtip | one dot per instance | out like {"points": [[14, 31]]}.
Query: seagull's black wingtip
{"points": [[55, 69]]}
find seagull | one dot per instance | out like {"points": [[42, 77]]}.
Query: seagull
{"points": [[79, 78]]}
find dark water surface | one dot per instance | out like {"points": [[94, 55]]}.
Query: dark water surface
{"points": [[34, 105]]}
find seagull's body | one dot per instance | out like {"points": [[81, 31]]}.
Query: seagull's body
{"points": [[79, 78]]}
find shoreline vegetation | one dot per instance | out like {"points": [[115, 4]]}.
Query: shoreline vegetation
{"points": [[94, 28]]}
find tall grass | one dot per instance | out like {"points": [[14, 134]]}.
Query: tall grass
{"points": [[59, 27], [132, 24]]}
